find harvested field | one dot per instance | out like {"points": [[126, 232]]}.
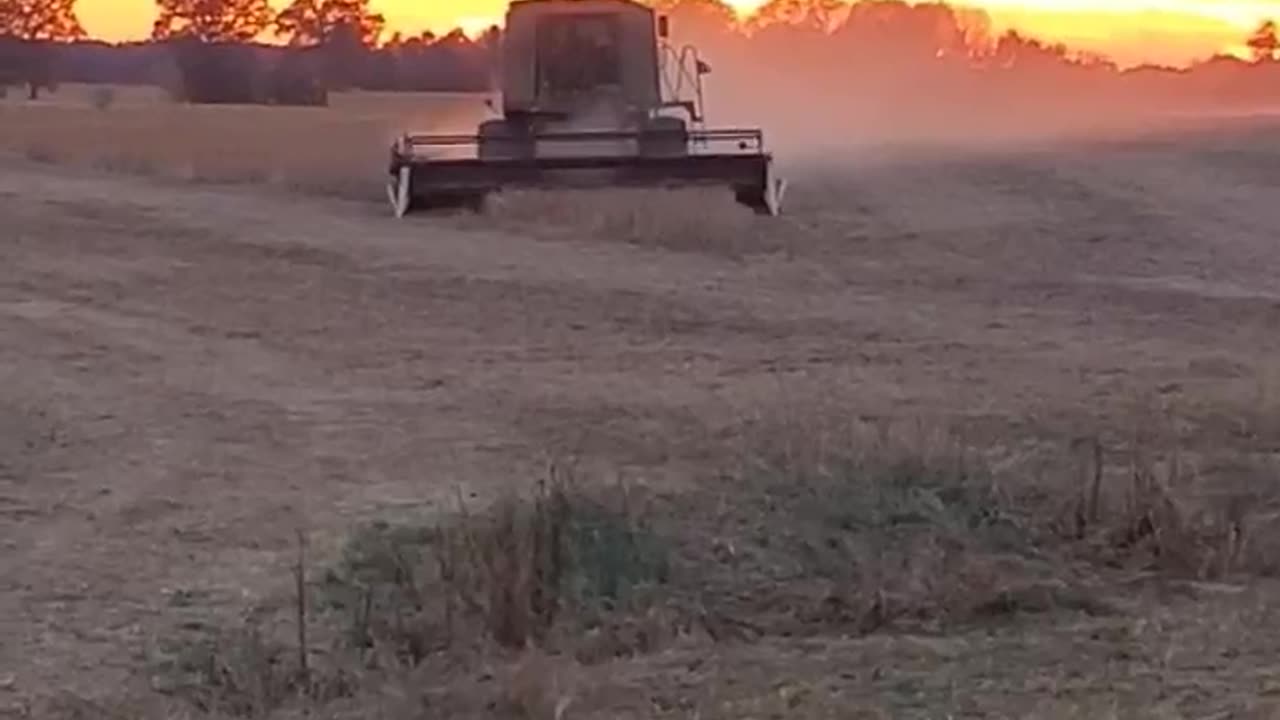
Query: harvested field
{"points": [[968, 434]]}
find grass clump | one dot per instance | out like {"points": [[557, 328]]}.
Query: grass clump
{"points": [[236, 673], [243, 671], [558, 570], [102, 97], [866, 529], [512, 574], [1158, 514]]}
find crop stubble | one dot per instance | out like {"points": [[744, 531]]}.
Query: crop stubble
{"points": [[195, 372]]}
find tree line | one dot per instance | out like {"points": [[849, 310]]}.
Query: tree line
{"points": [[211, 50]]}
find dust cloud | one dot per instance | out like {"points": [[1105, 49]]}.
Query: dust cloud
{"points": [[832, 82]]}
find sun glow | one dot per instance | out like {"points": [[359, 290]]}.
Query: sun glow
{"points": [[473, 26], [1131, 31], [1173, 32]]}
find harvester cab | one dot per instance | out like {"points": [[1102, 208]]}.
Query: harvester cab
{"points": [[591, 95]]}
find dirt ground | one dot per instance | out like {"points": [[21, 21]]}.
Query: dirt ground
{"points": [[192, 374]]}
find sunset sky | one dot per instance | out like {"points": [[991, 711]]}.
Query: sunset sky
{"points": [[1131, 31]]}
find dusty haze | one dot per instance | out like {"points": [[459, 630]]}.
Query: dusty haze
{"points": [[889, 75]]}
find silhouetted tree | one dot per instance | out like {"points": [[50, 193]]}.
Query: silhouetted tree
{"points": [[210, 39], [33, 29], [891, 31], [819, 15], [413, 41], [296, 79], [211, 21], [974, 25], [453, 62], [316, 22], [1014, 50], [52, 20], [1263, 43], [698, 18], [344, 54]]}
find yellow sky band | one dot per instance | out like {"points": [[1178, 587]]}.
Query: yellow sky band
{"points": [[1173, 32]]}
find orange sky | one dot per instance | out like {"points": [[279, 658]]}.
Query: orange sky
{"points": [[1131, 31]]}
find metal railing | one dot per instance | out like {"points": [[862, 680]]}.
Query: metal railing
{"points": [[683, 74], [746, 139]]}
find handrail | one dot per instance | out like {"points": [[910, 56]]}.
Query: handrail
{"points": [[718, 134], [686, 53]]}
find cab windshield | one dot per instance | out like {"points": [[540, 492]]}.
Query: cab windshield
{"points": [[577, 52]]}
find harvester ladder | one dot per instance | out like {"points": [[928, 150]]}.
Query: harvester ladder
{"points": [[682, 59]]}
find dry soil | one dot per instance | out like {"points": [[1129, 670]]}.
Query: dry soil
{"points": [[190, 374]]}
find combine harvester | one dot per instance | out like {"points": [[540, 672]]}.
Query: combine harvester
{"points": [[587, 90]]}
